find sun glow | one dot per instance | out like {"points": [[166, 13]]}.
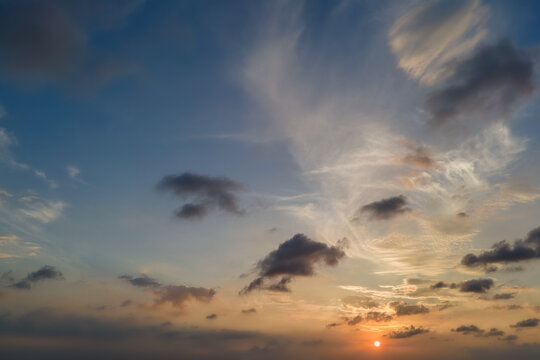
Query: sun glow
{"points": [[377, 343]]}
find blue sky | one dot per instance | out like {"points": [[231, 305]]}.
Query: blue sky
{"points": [[398, 137]]}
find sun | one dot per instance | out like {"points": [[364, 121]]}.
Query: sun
{"points": [[377, 343]]}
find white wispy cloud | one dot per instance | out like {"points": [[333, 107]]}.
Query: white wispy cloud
{"points": [[428, 36], [45, 212]]}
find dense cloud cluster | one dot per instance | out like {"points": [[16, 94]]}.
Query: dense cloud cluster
{"points": [[504, 252], [407, 332], [45, 273], [486, 84], [176, 295], [386, 208], [203, 193], [294, 257], [402, 308]]}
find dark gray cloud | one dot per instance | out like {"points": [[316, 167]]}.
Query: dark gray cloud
{"points": [[485, 85], [469, 329], [475, 330], [126, 303], [402, 308], [176, 295], [143, 281], [294, 257], [45, 40], [45, 273], [386, 208], [476, 285], [211, 316], [532, 322], [504, 252], [408, 332], [203, 194], [249, 311], [504, 296]]}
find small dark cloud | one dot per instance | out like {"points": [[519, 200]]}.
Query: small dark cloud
{"points": [[126, 303], [294, 257], [476, 285], [386, 208], [100, 308], [402, 308], [272, 230], [504, 252], [532, 322], [332, 325], [486, 85], [45, 273], [176, 295], [211, 316], [468, 329], [249, 311], [504, 296], [494, 332], [366, 302], [202, 194], [408, 332], [439, 285], [355, 320], [510, 338], [462, 215], [143, 281]]}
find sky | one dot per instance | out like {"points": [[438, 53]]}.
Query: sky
{"points": [[269, 179]]}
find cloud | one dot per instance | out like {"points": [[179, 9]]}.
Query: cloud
{"points": [[504, 296], [532, 322], [504, 252], [473, 285], [143, 281], [386, 208], [486, 85], [434, 33], [355, 320], [43, 41], [378, 316], [176, 295], [294, 257], [204, 193], [360, 301], [249, 311], [476, 285], [408, 332], [211, 316], [469, 329], [402, 308], [45, 273], [420, 156], [475, 330], [44, 211]]}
